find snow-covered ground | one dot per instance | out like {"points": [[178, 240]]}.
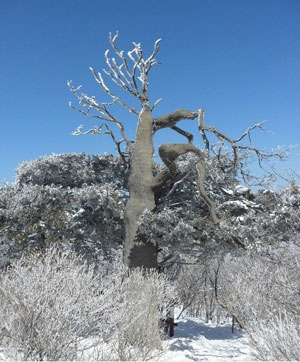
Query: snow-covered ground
{"points": [[196, 341]]}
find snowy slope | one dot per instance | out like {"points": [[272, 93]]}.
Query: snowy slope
{"points": [[197, 341]]}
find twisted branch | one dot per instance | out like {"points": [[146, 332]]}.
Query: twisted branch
{"points": [[186, 134], [171, 119], [201, 128], [169, 154], [236, 147]]}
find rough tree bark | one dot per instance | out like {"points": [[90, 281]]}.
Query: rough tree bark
{"points": [[137, 251]]}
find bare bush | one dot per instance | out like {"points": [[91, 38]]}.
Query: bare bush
{"points": [[190, 290], [196, 289], [147, 299], [49, 303], [53, 307], [264, 295]]}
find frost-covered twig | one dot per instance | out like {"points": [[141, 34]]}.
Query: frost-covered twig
{"points": [[103, 114], [127, 79], [104, 129]]}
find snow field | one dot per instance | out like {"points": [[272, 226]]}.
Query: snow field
{"points": [[196, 341]]}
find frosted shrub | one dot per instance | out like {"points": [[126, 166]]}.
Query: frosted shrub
{"points": [[147, 298], [190, 290], [53, 202], [49, 303], [53, 307], [196, 287], [70, 170], [264, 294]]}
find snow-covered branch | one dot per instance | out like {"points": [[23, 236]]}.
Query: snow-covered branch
{"points": [[99, 79], [126, 76], [104, 129], [103, 114]]}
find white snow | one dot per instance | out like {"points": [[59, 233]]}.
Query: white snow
{"points": [[195, 340], [236, 203], [240, 189], [228, 192]]}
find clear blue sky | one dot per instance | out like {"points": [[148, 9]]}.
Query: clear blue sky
{"points": [[238, 59]]}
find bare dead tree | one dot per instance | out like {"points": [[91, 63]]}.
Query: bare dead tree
{"points": [[130, 73]]}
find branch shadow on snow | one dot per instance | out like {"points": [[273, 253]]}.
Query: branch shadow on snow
{"points": [[190, 334], [193, 330]]}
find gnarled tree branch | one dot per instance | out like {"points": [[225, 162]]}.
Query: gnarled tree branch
{"points": [[169, 154], [201, 128], [186, 134], [171, 119], [238, 148]]}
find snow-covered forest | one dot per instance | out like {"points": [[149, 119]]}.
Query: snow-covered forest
{"points": [[98, 251], [63, 287]]}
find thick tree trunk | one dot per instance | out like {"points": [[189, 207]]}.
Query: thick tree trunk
{"points": [[139, 252]]}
